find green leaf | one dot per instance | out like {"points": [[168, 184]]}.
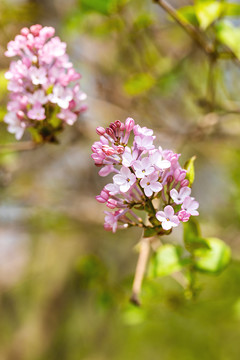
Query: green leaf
{"points": [[143, 21], [188, 14], [148, 232], [189, 166], [231, 9], [207, 12], [230, 36], [192, 236], [138, 84], [166, 261], [215, 258], [99, 6], [3, 84]]}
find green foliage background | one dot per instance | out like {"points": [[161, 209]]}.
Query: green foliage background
{"points": [[64, 281]]}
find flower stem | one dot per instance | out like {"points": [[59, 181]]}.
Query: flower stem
{"points": [[140, 270]]}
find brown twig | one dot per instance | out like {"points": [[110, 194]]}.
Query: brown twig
{"points": [[20, 146], [195, 34], [140, 270]]}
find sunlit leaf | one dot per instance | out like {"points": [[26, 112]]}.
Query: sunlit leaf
{"points": [[143, 21], [100, 6], [3, 84], [231, 9], [133, 315], [214, 259], [139, 84], [188, 14], [192, 236], [207, 12], [166, 261], [230, 36], [189, 166]]}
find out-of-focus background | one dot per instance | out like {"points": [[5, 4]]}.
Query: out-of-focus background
{"points": [[64, 281]]}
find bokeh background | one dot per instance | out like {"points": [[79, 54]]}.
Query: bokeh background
{"points": [[64, 281]]}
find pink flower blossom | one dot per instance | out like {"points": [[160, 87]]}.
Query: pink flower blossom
{"points": [[157, 160], [178, 197], [125, 179], [190, 206], [143, 167], [150, 184], [144, 142], [167, 218], [42, 75], [143, 173]]}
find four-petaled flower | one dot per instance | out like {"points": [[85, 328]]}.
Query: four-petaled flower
{"points": [[125, 179], [167, 218], [179, 197], [143, 167], [190, 205], [150, 184]]}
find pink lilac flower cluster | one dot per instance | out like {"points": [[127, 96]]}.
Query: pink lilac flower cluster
{"points": [[145, 177], [39, 81]]}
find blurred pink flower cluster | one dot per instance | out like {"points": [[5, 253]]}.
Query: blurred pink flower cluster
{"points": [[39, 81], [142, 173]]}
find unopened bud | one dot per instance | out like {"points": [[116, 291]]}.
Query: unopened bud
{"points": [[129, 124], [100, 130], [35, 29], [184, 182], [24, 31]]}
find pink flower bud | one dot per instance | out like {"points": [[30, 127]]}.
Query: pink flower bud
{"points": [[183, 216], [25, 31], [113, 126], [129, 124], [179, 174], [184, 182], [170, 179], [111, 203], [108, 150], [118, 123], [100, 199], [110, 132], [120, 149], [20, 114], [122, 127], [35, 29], [100, 130]]}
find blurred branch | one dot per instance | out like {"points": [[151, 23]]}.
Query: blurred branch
{"points": [[140, 270], [21, 146], [194, 33]]}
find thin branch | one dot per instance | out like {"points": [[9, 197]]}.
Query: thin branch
{"points": [[211, 84], [140, 270], [20, 146], [195, 34]]}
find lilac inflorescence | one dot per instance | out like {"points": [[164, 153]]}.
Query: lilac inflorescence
{"points": [[39, 81], [141, 173]]}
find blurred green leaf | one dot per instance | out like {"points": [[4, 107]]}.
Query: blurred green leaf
{"points": [[100, 6], [133, 315], [148, 232], [231, 9], [143, 21], [189, 166], [207, 12], [166, 261], [3, 84], [192, 236], [139, 84], [214, 259], [230, 36], [188, 14]]}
